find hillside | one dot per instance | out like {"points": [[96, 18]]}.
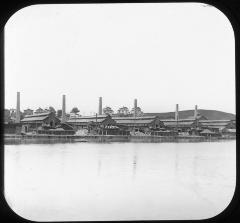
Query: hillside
{"points": [[209, 114]]}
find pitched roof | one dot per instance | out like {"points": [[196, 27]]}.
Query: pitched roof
{"points": [[179, 124], [35, 117], [87, 119], [31, 119], [139, 120], [132, 121], [134, 118], [215, 121], [231, 130], [38, 114], [207, 131]]}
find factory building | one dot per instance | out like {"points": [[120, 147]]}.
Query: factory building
{"points": [[142, 123], [99, 124], [33, 122], [218, 125], [47, 122], [122, 123]]}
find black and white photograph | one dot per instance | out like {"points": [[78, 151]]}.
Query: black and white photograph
{"points": [[119, 111]]}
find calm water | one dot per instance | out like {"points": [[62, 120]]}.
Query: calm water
{"points": [[120, 181]]}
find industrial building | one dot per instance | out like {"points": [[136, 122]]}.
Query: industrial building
{"points": [[98, 124], [142, 123], [116, 124], [33, 122]]}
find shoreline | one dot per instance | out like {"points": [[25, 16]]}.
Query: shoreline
{"points": [[12, 139]]}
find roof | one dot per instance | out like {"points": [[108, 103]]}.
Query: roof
{"points": [[132, 121], [36, 117], [31, 119], [179, 124], [216, 121], [134, 118], [179, 120], [231, 130], [87, 119], [215, 124], [140, 120], [38, 114], [207, 131]]}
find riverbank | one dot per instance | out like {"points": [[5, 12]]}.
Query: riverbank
{"points": [[38, 139]]}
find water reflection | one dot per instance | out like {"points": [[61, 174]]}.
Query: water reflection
{"points": [[134, 164], [119, 181]]}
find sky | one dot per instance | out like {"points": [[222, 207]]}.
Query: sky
{"points": [[160, 53]]}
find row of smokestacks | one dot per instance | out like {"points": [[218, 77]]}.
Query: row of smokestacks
{"points": [[100, 106], [99, 109], [177, 112], [18, 113], [64, 119], [18, 108]]}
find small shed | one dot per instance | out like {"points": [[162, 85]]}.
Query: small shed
{"points": [[207, 132]]}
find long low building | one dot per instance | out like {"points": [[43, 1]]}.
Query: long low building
{"points": [[99, 124], [183, 124], [189, 124], [47, 119], [85, 121], [218, 125], [144, 123]]}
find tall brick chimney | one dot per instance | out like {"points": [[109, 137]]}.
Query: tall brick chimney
{"points": [[18, 108], [64, 108], [100, 106], [176, 113], [135, 107], [195, 112]]}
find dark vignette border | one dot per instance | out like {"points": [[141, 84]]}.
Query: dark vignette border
{"points": [[231, 8]]}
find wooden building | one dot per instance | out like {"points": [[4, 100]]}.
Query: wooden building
{"points": [[99, 124], [218, 125], [183, 125], [209, 133], [142, 123], [33, 122]]}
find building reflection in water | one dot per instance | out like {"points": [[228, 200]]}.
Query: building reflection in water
{"points": [[134, 165]]}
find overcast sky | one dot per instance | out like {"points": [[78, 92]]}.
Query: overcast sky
{"points": [[160, 53]]}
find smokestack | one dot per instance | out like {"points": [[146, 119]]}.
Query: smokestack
{"points": [[18, 108], [195, 112], [100, 106], [63, 109], [135, 107], [176, 113]]}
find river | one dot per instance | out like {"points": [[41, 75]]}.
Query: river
{"points": [[119, 181]]}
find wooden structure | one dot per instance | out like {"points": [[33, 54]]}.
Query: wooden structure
{"points": [[33, 122], [141, 123], [218, 125], [208, 133], [183, 125], [98, 124]]}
